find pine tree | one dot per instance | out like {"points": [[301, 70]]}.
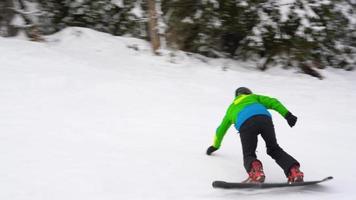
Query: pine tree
{"points": [[6, 17], [192, 25], [337, 48], [307, 34], [303, 33], [115, 17]]}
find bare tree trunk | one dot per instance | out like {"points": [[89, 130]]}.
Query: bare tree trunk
{"points": [[6, 16], [263, 66], [308, 69], [153, 26]]}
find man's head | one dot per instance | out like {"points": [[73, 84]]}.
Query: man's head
{"points": [[242, 90]]}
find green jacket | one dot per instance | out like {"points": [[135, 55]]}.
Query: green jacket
{"points": [[242, 108]]}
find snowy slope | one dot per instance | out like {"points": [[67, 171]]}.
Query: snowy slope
{"points": [[85, 117]]}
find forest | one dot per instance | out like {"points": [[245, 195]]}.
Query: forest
{"points": [[306, 34]]}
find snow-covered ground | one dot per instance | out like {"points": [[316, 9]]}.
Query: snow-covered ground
{"points": [[86, 116]]}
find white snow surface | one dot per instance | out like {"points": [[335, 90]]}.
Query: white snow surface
{"points": [[83, 116]]}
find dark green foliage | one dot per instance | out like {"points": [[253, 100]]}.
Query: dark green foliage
{"points": [[191, 25], [101, 15], [314, 34], [6, 16], [307, 34], [209, 27]]}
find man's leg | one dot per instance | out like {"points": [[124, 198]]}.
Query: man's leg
{"points": [[248, 135], [283, 159]]}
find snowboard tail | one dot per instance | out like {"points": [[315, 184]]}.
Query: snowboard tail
{"points": [[235, 185]]}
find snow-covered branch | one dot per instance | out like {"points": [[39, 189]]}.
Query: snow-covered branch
{"points": [[27, 13], [26, 26]]}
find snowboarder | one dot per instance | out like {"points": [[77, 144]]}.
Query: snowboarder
{"points": [[248, 112]]}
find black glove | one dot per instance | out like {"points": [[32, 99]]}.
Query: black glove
{"points": [[291, 119], [210, 150]]}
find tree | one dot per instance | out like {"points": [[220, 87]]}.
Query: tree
{"points": [[15, 16], [153, 26], [6, 17], [307, 34], [192, 25], [116, 17], [30, 26]]}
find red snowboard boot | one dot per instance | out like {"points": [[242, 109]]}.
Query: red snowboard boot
{"points": [[256, 174], [295, 175]]}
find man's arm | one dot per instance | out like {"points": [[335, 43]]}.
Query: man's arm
{"points": [[220, 133], [222, 129], [274, 104]]}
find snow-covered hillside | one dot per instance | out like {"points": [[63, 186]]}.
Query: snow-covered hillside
{"points": [[86, 116]]}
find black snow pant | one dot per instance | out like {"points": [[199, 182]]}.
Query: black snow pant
{"points": [[249, 131]]}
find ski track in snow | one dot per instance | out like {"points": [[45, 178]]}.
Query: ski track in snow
{"points": [[83, 116]]}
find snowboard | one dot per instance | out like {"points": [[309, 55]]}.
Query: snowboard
{"points": [[236, 185]]}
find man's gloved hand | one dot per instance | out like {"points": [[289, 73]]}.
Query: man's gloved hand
{"points": [[291, 119], [210, 150]]}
